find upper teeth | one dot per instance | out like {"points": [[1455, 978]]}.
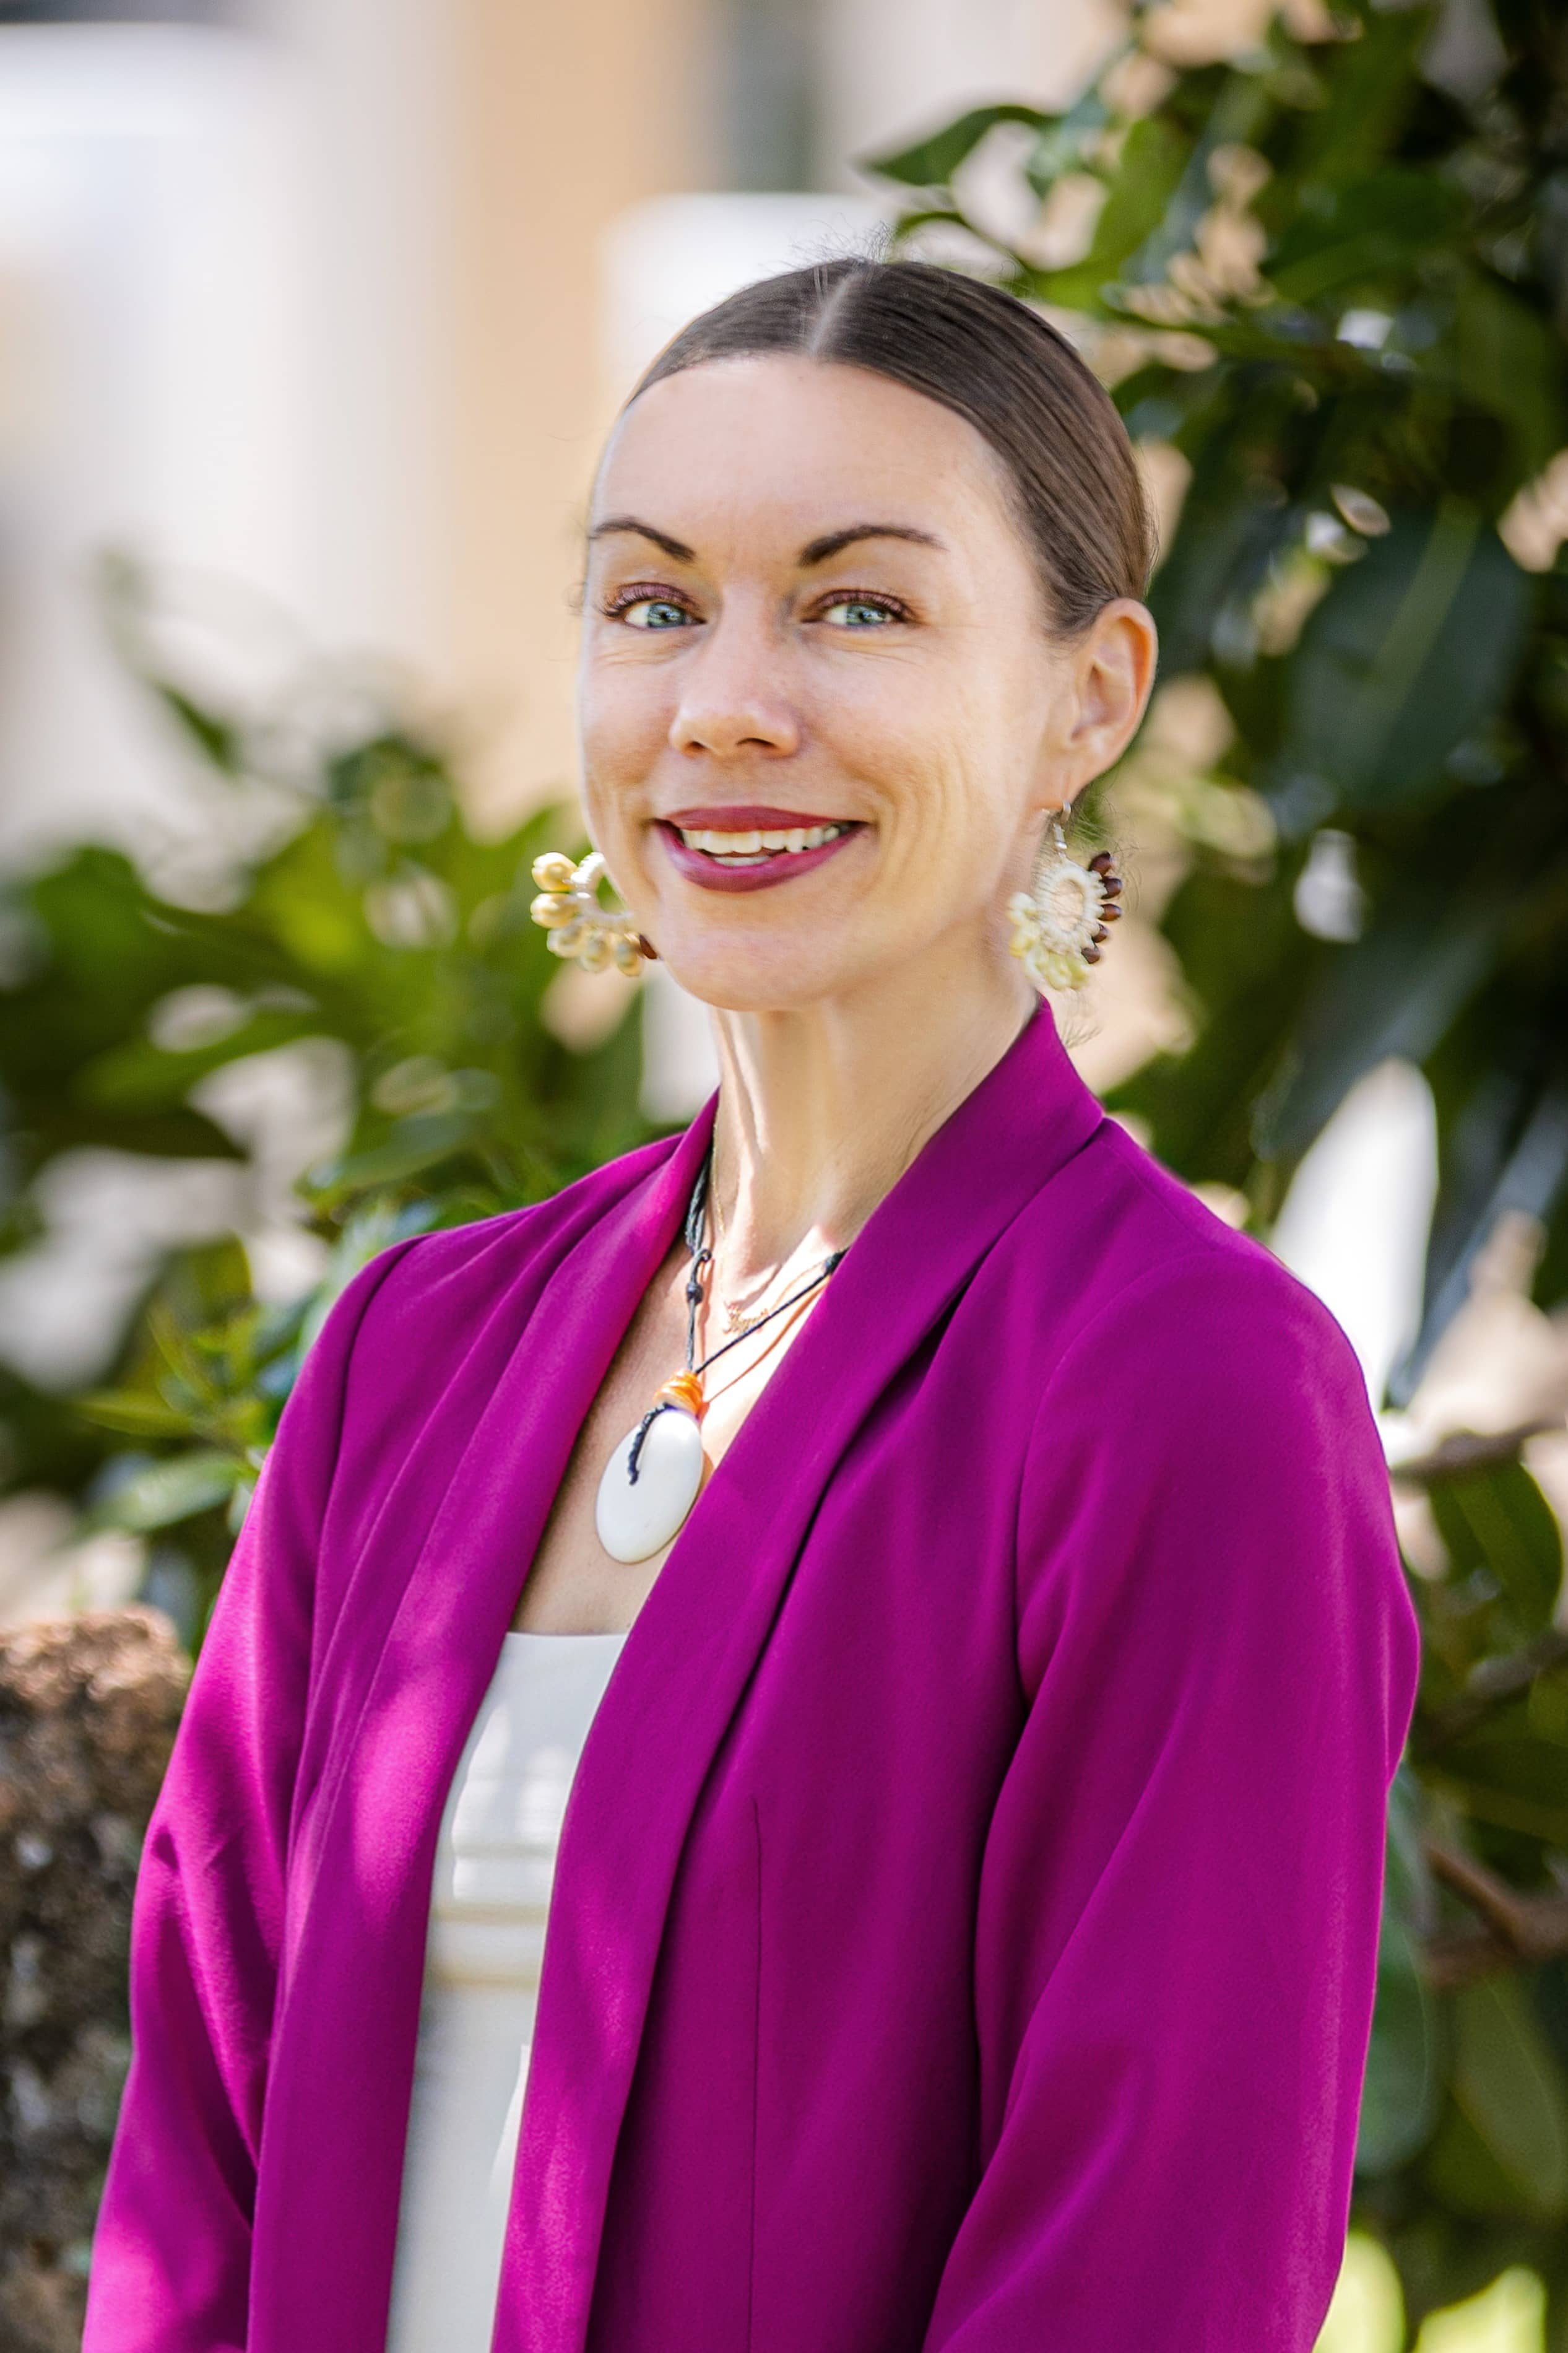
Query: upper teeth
{"points": [[754, 845]]}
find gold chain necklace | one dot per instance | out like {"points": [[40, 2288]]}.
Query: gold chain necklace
{"points": [[741, 1317]]}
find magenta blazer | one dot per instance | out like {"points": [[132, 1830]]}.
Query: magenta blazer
{"points": [[965, 1925]]}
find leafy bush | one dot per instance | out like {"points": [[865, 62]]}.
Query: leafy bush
{"points": [[371, 922]]}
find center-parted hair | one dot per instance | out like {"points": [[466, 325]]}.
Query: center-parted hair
{"points": [[994, 362]]}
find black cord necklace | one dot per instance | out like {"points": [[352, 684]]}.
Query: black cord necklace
{"points": [[654, 1477]]}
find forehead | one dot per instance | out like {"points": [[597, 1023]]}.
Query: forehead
{"points": [[779, 444]]}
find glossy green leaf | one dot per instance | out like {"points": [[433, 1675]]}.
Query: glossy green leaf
{"points": [[141, 1076], [1503, 1168], [1394, 992], [1512, 2091], [1404, 657], [215, 737], [1462, 2176], [1356, 234], [164, 1493], [1510, 362], [1066, 143], [1374, 89], [931, 163], [1403, 2087], [136, 1416], [1155, 159], [1507, 1773], [1238, 112], [1498, 1519], [1492, 1788]]}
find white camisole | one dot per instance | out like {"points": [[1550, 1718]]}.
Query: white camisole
{"points": [[489, 1897]]}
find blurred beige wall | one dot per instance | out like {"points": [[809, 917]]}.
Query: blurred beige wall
{"points": [[568, 116], [322, 303], [309, 312]]}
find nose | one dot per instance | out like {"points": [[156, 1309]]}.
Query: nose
{"points": [[733, 700]]}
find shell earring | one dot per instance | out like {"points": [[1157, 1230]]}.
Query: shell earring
{"points": [[1060, 925], [570, 910]]}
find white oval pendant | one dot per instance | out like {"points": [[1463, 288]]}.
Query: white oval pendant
{"points": [[635, 1522]]}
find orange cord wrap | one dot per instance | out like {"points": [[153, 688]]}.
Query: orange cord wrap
{"points": [[684, 1390]]}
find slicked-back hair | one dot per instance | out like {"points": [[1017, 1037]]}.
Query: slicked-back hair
{"points": [[994, 362]]}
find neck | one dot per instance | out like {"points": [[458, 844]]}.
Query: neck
{"points": [[822, 1109]]}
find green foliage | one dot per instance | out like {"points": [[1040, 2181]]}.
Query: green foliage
{"points": [[1463, 2156], [1339, 293], [374, 923]]}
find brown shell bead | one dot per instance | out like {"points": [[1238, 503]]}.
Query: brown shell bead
{"points": [[1101, 863]]}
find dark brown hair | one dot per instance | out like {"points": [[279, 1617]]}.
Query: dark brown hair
{"points": [[991, 360]]}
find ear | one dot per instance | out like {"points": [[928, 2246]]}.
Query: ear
{"points": [[1112, 672]]}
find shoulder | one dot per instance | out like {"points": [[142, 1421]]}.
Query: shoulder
{"points": [[1157, 1291], [1193, 1390], [1203, 1449], [437, 1290]]}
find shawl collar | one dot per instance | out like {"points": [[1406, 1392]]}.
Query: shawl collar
{"points": [[669, 1702]]}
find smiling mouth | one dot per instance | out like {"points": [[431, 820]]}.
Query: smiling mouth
{"points": [[753, 848]]}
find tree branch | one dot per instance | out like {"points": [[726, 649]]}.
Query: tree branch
{"points": [[1511, 1928]]}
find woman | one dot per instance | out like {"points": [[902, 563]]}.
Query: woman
{"points": [[964, 1927]]}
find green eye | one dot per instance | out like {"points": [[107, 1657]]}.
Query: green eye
{"points": [[654, 613], [858, 612]]}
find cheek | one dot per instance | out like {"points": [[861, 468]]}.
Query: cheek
{"points": [[949, 751], [623, 719]]}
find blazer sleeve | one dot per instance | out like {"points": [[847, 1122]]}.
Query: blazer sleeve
{"points": [[171, 2259], [1180, 1897]]}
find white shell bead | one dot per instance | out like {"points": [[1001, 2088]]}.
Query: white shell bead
{"points": [[634, 1522]]}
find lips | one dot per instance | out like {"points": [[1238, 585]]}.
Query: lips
{"points": [[741, 817], [751, 846]]}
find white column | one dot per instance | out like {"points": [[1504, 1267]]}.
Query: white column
{"points": [[380, 135], [147, 231], [225, 266]]}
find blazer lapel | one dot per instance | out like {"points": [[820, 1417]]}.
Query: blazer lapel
{"points": [[681, 1676], [352, 2014]]}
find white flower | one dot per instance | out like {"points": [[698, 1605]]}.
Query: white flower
{"points": [[1054, 924], [1068, 901]]}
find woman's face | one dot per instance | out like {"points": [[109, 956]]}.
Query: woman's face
{"points": [[821, 712]]}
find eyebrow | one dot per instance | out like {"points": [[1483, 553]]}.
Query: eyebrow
{"points": [[675, 549], [819, 550], [816, 551]]}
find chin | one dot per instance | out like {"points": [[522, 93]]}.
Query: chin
{"points": [[773, 976]]}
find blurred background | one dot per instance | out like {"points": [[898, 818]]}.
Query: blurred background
{"points": [[321, 313], [312, 319]]}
